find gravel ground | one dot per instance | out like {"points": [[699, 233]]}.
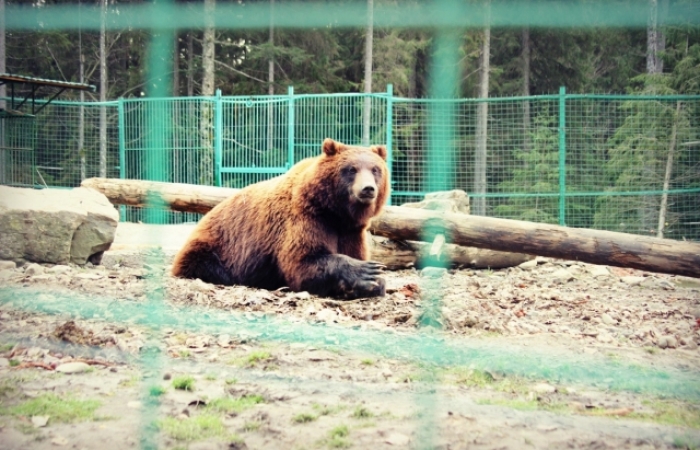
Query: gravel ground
{"points": [[552, 354]]}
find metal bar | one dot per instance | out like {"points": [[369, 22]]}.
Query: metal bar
{"points": [[218, 138], [562, 156], [389, 133], [290, 127], [35, 112], [259, 170]]}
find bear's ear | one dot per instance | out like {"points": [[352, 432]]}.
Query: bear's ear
{"points": [[380, 150], [331, 147]]}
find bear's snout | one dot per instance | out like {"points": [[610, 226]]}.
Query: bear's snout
{"points": [[365, 188]]}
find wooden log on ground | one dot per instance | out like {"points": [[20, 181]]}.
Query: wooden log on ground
{"points": [[592, 246], [176, 196], [404, 254], [580, 244]]}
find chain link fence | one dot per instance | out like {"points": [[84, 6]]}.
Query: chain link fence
{"points": [[620, 163]]}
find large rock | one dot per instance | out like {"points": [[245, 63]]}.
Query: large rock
{"points": [[55, 225]]}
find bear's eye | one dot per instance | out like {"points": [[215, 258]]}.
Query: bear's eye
{"points": [[351, 170], [376, 171]]}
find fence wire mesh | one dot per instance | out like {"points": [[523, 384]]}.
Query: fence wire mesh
{"points": [[625, 163]]}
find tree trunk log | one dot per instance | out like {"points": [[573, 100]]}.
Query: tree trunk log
{"points": [[404, 254], [176, 196], [580, 244], [407, 224]]}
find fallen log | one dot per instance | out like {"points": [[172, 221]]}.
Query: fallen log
{"points": [[176, 196], [592, 246], [580, 244], [404, 254]]}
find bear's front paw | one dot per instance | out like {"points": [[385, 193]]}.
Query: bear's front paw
{"points": [[362, 279]]}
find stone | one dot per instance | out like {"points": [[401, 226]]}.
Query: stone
{"points": [[73, 367], [58, 269], [544, 388], [632, 280], [667, 342], [8, 265], [607, 320], [55, 226], [604, 338], [33, 269], [40, 421], [528, 265], [561, 276], [598, 271], [433, 272]]}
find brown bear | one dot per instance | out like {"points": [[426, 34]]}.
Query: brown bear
{"points": [[306, 229]]}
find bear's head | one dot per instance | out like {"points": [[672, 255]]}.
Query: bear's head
{"points": [[360, 177]]}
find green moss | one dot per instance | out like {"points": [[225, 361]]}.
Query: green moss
{"points": [[362, 413], [195, 428], [234, 405], [338, 437], [184, 383], [60, 409], [304, 418]]}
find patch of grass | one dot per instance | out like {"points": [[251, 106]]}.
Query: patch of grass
{"points": [[195, 428], [325, 410], [252, 426], [258, 356], [367, 362], [156, 391], [230, 381], [473, 377], [252, 359], [130, 382], [184, 353], [304, 418], [210, 377], [686, 443], [6, 347], [338, 437], [184, 383], [60, 409], [14, 363], [7, 387], [651, 350], [362, 413], [671, 412], [234, 405]]}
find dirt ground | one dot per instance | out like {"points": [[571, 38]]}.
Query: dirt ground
{"points": [[553, 354]]}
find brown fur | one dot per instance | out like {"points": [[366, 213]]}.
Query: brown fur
{"points": [[305, 229]]}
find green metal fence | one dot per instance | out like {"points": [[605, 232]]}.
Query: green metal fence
{"points": [[614, 162]]}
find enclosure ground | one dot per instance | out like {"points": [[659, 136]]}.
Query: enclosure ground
{"points": [[238, 389]]}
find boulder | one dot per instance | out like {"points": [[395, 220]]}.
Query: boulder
{"points": [[55, 226]]}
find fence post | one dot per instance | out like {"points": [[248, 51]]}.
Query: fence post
{"points": [[389, 132], [122, 151], [290, 127], [218, 138], [562, 156]]}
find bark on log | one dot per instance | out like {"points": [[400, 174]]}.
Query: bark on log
{"points": [[580, 244], [404, 254], [592, 246], [176, 196]]}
